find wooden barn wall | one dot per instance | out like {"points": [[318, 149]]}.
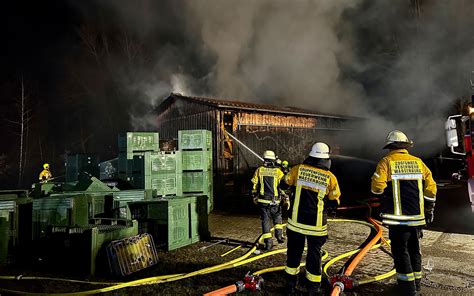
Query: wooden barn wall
{"points": [[188, 116], [291, 137]]}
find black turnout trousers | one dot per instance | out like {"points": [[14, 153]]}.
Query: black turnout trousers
{"points": [[405, 241], [295, 245], [269, 213]]}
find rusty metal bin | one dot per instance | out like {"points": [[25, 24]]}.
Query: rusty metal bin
{"points": [[131, 254]]}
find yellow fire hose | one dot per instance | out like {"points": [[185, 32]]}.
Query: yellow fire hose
{"points": [[234, 249], [175, 277], [340, 257]]}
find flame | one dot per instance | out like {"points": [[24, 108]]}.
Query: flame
{"points": [[470, 109]]}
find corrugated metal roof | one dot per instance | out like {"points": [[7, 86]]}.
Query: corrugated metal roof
{"points": [[233, 104]]}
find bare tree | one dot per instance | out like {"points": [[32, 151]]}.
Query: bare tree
{"points": [[22, 124]]}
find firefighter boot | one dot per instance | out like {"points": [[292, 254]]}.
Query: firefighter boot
{"points": [[280, 239], [279, 236], [418, 285], [314, 289], [268, 244], [291, 281], [407, 288]]}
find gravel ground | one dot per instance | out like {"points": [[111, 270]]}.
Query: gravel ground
{"points": [[447, 256]]}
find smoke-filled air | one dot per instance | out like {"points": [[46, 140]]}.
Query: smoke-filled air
{"points": [[400, 64], [99, 68]]}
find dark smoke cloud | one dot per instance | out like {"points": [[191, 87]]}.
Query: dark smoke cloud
{"points": [[402, 64]]}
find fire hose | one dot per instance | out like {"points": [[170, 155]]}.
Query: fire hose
{"points": [[339, 282], [174, 277]]}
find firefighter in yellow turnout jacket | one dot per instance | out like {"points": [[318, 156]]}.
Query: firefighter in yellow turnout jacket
{"points": [[266, 185], [45, 174], [408, 200], [315, 189]]}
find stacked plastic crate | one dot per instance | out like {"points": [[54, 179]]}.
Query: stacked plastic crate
{"points": [[15, 225], [136, 144], [196, 162], [174, 222], [68, 208], [81, 167], [165, 168]]}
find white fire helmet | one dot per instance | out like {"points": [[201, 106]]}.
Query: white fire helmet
{"points": [[320, 150], [397, 136], [269, 155]]}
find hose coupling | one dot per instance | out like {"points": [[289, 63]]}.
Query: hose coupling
{"points": [[340, 285], [344, 282]]}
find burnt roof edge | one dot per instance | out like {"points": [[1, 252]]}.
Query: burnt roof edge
{"points": [[214, 103]]}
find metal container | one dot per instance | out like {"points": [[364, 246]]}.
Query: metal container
{"points": [[196, 160], [138, 141], [194, 140], [131, 254]]}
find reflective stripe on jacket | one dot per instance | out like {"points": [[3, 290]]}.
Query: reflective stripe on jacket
{"points": [[407, 184], [266, 180], [311, 185]]}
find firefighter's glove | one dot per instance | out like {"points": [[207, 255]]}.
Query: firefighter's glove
{"points": [[429, 216], [255, 198], [429, 212], [332, 207], [285, 203]]}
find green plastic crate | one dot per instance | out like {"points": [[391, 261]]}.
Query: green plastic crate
{"points": [[7, 216], [166, 219], [138, 141], [92, 185], [199, 218], [15, 227], [195, 140], [169, 220], [63, 243], [166, 184], [121, 199], [162, 184], [165, 163], [196, 160], [80, 166], [196, 182], [142, 164], [66, 209]]}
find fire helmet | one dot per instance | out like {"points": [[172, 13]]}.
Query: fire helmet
{"points": [[270, 155], [320, 150], [397, 138], [46, 166], [284, 163]]}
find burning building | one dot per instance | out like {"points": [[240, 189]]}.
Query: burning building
{"points": [[288, 131]]}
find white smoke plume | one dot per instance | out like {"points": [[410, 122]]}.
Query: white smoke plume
{"points": [[400, 64]]}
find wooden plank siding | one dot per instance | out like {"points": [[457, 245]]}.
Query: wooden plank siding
{"points": [[289, 135]]}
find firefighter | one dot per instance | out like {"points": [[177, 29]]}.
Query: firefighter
{"points": [[315, 190], [266, 194], [285, 166], [45, 174], [408, 194]]}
